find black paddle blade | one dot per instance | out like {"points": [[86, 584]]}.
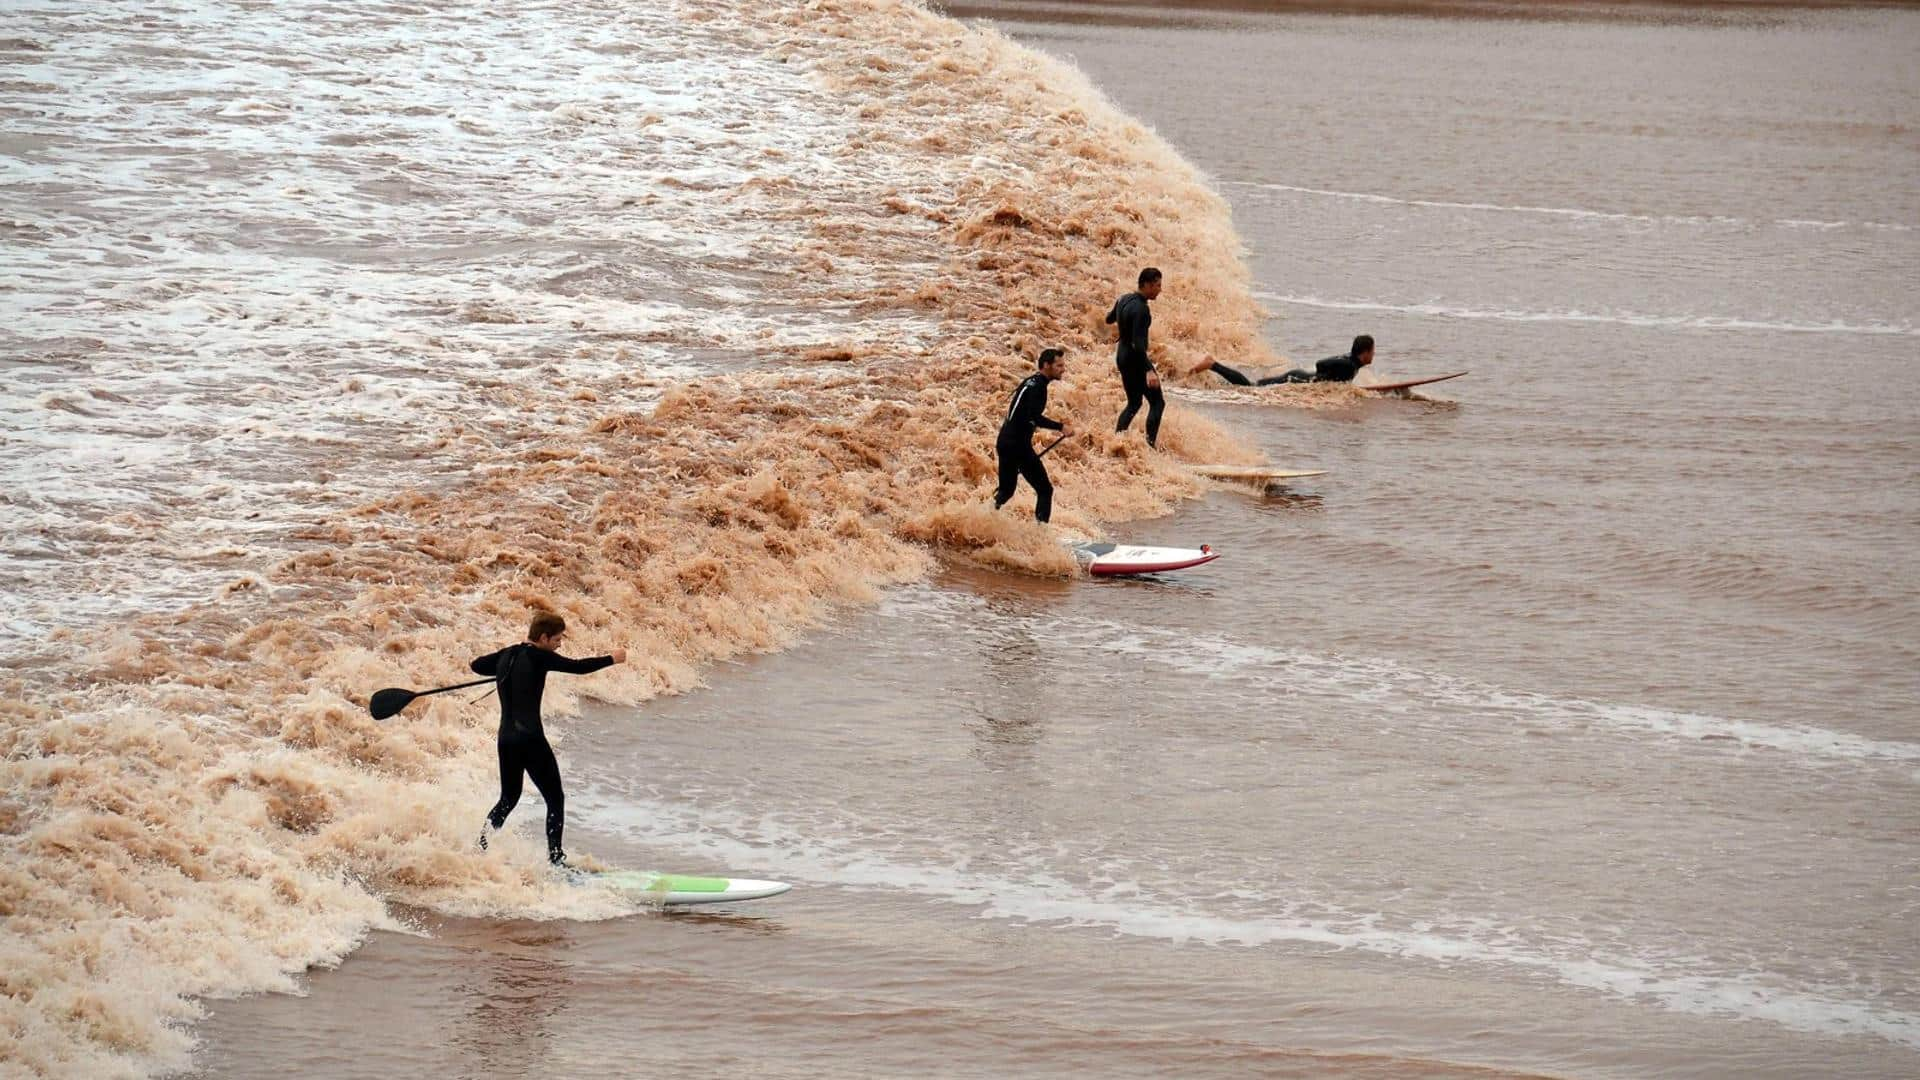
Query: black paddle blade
{"points": [[389, 701]]}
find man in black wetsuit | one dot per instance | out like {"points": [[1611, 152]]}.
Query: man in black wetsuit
{"points": [[1015, 443], [1332, 369], [1132, 315], [520, 675]]}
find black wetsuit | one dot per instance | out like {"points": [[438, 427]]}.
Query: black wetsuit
{"points": [[1237, 379], [1333, 369], [520, 676], [1015, 447], [1340, 368], [1133, 316]]}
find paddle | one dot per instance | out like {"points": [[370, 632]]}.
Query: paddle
{"points": [[1051, 445], [385, 703]]}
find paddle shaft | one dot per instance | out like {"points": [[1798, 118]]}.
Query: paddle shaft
{"points": [[460, 686], [1052, 444]]}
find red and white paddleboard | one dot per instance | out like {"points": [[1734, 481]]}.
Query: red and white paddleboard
{"points": [[1390, 387], [1108, 560]]}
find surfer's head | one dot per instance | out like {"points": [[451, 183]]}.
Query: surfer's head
{"points": [[546, 630], [1053, 363], [1362, 350], [1150, 282]]}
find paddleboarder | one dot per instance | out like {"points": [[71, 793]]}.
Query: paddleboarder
{"points": [[1333, 369], [1133, 316], [1014, 446], [520, 674]]}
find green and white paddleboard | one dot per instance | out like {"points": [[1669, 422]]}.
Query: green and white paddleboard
{"points": [[679, 890]]}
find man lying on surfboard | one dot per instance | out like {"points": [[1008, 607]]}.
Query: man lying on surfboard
{"points": [[1333, 369], [520, 674]]}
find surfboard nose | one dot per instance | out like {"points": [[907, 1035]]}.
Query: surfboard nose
{"points": [[750, 889]]}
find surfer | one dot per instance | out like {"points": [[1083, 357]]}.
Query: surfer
{"points": [[1015, 443], [1133, 316], [520, 674], [1333, 369]]}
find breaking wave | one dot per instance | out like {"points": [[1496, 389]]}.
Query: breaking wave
{"points": [[338, 360]]}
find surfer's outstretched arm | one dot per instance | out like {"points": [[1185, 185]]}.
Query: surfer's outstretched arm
{"points": [[585, 665]]}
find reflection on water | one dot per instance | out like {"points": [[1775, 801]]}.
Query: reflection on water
{"points": [[726, 920], [513, 999], [1017, 664], [1281, 498]]}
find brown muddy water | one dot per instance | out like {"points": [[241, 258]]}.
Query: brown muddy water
{"points": [[1566, 727]]}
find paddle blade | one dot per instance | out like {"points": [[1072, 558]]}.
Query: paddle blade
{"points": [[389, 701]]}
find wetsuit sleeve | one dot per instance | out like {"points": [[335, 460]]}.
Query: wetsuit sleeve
{"points": [[1232, 375], [1049, 423], [586, 665], [488, 664]]}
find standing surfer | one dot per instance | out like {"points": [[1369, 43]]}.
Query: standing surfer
{"points": [[520, 674], [1333, 369], [1015, 443], [1133, 316]]}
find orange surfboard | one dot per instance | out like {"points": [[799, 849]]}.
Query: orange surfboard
{"points": [[1253, 472], [1386, 387]]}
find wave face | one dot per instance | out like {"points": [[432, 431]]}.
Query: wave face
{"points": [[347, 333]]}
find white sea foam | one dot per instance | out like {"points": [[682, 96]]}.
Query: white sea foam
{"points": [[838, 855], [1435, 309], [1716, 220], [1393, 689]]}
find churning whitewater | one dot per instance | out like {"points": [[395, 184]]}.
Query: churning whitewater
{"points": [[344, 334]]}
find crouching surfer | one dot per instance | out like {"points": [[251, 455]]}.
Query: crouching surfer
{"points": [[520, 675], [1333, 369], [1014, 445]]}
